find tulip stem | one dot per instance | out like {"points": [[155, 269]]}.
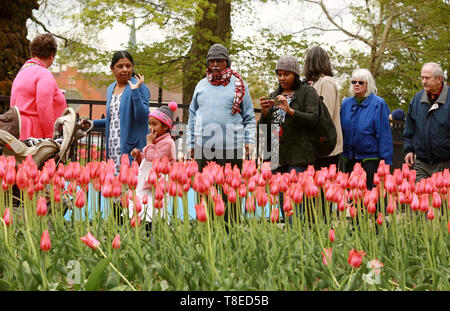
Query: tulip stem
{"points": [[117, 271]]}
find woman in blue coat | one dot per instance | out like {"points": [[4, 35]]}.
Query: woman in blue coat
{"points": [[127, 100], [365, 126]]}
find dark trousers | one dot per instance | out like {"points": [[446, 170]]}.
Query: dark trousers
{"points": [[370, 166], [234, 157]]}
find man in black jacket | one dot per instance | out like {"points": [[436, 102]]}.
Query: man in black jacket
{"points": [[427, 129]]}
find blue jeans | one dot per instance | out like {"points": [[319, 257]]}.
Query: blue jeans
{"points": [[288, 169]]}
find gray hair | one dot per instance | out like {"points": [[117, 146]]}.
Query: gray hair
{"points": [[437, 69], [365, 75]]}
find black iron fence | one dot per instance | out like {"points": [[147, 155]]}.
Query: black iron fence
{"points": [[92, 147]]}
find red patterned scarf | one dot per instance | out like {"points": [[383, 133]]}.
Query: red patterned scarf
{"points": [[223, 78]]}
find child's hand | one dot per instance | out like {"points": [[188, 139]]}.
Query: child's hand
{"points": [[151, 137], [137, 155]]}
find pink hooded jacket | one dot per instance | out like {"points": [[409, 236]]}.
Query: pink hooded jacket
{"points": [[40, 101]]}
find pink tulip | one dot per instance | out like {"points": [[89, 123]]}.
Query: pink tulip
{"points": [[10, 176], [7, 218], [242, 191], [137, 204], [46, 244], [415, 202], [275, 214], [107, 190], [436, 200], [145, 199], [158, 204], [41, 207], [219, 205], [135, 221], [250, 205], [297, 196], [261, 196], [287, 204], [266, 172], [390, 185], [80, 199], [380, 219], [327, 255], [331, 235], [392, 206], [201, 211], [355, 258], [430, 214], [232, 195], [90, 241], [116, 242], [424, 202], [21, 178], [252, 184]]}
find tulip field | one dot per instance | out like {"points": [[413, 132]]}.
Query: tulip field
{"points": [[341, 237]]}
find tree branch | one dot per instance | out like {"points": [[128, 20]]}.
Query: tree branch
{"points": [[34, 19], [348, 33]]}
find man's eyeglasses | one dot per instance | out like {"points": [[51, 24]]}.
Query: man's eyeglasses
{"points": [[359, 82]]}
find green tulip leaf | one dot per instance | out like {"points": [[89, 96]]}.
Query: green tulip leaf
{"points": [[93, 282]]}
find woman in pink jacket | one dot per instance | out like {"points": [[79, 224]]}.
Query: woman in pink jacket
{"points": [[35, 92]]}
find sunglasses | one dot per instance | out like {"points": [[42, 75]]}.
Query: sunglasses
{"points": [[359, 82]]}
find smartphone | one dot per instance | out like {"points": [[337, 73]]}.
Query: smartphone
{"points": [[273, 100]]}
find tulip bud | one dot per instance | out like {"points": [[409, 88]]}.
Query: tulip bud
{"points": [[275, 214], [436, 200], [232, 195], [135, 221], [41, 207], [355, 258], [415, 202], [116, 242], [380, 219], [327, 256], [430, 214], [201, 211], [81, 199], [7, 218], [219, 205], [46, 244], [90, 241], [250, 205], [331, 235], [424, 202]]}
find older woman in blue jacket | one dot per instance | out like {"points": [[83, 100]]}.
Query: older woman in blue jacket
{"points": [[365, 126], [127, 109]]}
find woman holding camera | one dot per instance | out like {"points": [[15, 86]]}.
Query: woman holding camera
{"points": [[295, 113]]}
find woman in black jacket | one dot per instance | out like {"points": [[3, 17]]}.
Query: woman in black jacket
{"points": [[294, 113]]}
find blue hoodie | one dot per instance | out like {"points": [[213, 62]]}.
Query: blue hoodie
{"points": [[211, 121], [133, 112], [366, 129]]}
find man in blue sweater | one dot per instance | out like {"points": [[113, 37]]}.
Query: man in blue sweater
{"points": [[427, 129], [221, 116]]}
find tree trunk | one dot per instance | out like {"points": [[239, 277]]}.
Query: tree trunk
{"points": [[14, 45], [208, 30]]}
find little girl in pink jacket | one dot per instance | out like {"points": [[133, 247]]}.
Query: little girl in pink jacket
{"points": [[159, 144]]}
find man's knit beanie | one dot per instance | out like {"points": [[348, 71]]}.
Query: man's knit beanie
{"points": [[288, 63], [218, 51]]}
